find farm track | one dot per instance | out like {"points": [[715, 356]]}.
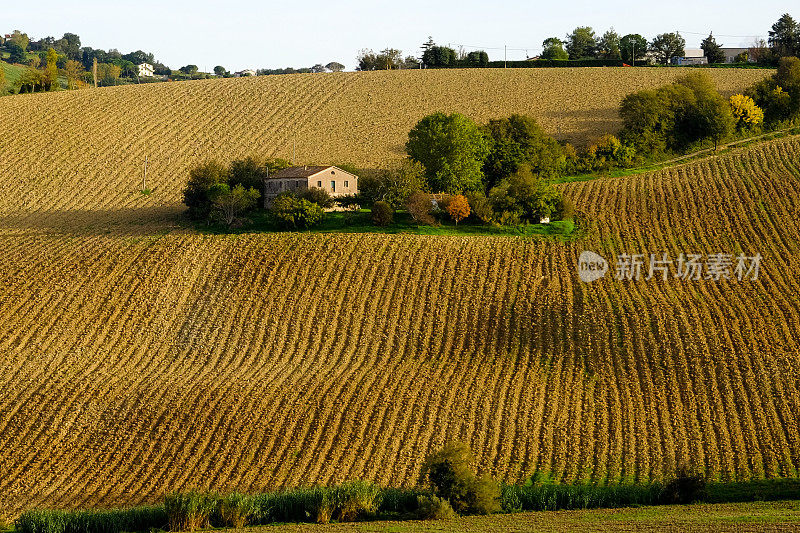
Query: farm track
{"points": [[138, 356]]}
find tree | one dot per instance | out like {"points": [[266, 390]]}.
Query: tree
{"points": [[706, 115], [419, 206], [69, 45], [382, 214], [138, 57], [317, 196], [74, 73], [108, 73], [189, 70], [477, 58], [292, 212], [633, 48], [439, 56], [51, 70], [712, 50], [760, 52], [746, 114], [788, 78], [553, 48], [202, 179], [449, 475], [333, 66], [367, 60], [319, 67], [16, 52], [581, 43], [784, 37], [428, 44], [220, 71], [249, 172], [452, 149], [389, 59], [392, 185], [411, 62], [20, 39], [458, 208], [525, 195], [668, 45], [608, 46], [230, 203], [518, 140]]}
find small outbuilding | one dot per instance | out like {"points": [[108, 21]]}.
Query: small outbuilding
{"points": [[334, 180]]}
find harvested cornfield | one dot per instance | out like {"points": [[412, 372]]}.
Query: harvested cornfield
{"points": [[139, 357]]}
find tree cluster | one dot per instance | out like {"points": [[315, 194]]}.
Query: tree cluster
{"points": [[503, 168], [216, 192]]}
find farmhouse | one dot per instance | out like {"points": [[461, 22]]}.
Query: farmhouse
{"points": [[334, 180], [145, 70]]}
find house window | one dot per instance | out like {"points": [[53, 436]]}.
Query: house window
{"points": [[333, 186], [319, 184], [346, 184]]}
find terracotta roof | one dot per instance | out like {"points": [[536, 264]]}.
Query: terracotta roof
{"points": [[299, 172]]}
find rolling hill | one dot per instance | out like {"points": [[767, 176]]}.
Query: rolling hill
{"points": [[138, 356]]}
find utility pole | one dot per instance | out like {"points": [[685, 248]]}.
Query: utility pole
{"points": [[633, 55], [94, 72], [505, 56]]}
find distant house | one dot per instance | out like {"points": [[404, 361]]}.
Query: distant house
{"points": [[691, 56], [244, 73], [731, 53], [145, 70], [334, 180]]}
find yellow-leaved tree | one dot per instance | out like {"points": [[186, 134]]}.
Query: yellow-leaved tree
{"points": [[745, 112], [458, 208]]}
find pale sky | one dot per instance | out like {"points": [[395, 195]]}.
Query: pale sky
{"points": [[242, 34]]}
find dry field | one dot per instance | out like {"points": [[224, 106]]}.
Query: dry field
{"points": [[139, 357]]}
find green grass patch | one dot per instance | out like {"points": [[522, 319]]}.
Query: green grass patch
{"points": [[13, 72], [361, 222]]}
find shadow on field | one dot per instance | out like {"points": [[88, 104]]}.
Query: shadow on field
{"points": [[120, 221], [582, 127]]}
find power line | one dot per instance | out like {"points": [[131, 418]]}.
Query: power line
{"points": [[719, 34]]}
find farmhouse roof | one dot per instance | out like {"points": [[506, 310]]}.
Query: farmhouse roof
{"points": [[299, 172]]}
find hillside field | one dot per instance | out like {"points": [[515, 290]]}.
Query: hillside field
{"points": [[138, 356]]}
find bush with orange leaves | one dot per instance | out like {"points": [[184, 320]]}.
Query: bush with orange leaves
{"points": [[458, 208]]}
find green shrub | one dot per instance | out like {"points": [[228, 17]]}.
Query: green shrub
{"points": [[382, 213], [449, 475], [483, 496], [316, 196], [202, 180], [430, 507], [481, 206], [356, 500], [292, 212], [685, 488], [190, 510]]}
